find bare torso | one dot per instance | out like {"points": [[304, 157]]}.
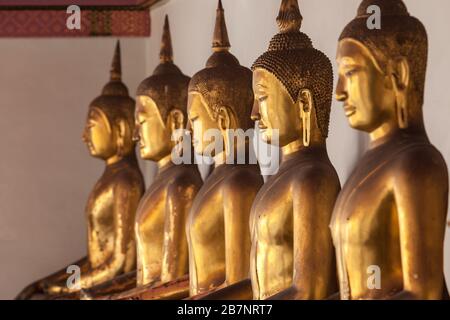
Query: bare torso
{"points": [[101, 209], [154, 216], [206, 224], [365, 226], [273, 231]]}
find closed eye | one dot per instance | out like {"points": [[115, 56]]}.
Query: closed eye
{"points": [[351, 72], [262, 99]]}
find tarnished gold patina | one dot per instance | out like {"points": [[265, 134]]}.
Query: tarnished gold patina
{"points": [[110, 211], [292, 253], [389, 220], [162, 249]]}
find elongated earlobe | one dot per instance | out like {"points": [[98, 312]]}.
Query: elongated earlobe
{"points": [[307, 129], [121, 134], [177, 119], [224, 119], [177, 130], [400, 83], [402, 111]]}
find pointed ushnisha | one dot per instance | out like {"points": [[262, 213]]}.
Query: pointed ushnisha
{"points": [[166, 54], [220, 40], [292, 58], [289, 18], [116, 66]]}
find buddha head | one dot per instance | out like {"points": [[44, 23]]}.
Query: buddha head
{"points": [[220, 96], [382, 71], [161, 105], [293, 84], [110, 122]]}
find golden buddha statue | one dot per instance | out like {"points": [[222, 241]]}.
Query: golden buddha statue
{"points": [[162, 250], [220, 100], [292, 253], [389, 220], [112, 204]]}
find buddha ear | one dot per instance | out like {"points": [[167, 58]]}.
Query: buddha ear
{"points": [[121, 134], [121, 128], [305, 99], [401, 81], [224, 118], [401, 73], [176, 119], [306, 105]]}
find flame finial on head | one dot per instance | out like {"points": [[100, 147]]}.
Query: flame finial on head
{"points": [[220, 40], [167, 86], [116, 66], [289, 18], [166, 53]]}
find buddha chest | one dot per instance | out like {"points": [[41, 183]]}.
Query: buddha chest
{"points": [[205, 229], [365, 224], [100, 215], [272, 242], [100, 212], [273, 227], [149, 227]]}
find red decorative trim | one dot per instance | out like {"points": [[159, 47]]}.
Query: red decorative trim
{"points": [[52, 23], [58, 3]]}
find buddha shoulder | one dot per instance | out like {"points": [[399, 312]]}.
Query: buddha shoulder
{"points": [[129, 178], [422, 161], [243, 179], [318, 174], [185, 179]]}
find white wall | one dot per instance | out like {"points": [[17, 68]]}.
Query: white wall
{"points": [[251, 24], [46, 172]]}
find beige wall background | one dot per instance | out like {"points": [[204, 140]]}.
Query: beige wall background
{"points": [[47, 84], [46, 172]]}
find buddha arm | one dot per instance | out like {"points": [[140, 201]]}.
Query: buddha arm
{"points": [[420, 191], [175, 262], [239, 195], [314, 271], [241, 290], [39, 286], [126, 199], [121, 283]]}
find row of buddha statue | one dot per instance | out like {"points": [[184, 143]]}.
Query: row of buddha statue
{"points": [[298, 235]]}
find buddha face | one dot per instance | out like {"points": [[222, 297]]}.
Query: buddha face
{"points": [[201, 121], [275, 109], [153, 134], [98, 135], [367, 93]]}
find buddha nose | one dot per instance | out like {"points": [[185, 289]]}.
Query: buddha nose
{"points": [[136, 137], [341, 94], [255, 111], [84, 135]]}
